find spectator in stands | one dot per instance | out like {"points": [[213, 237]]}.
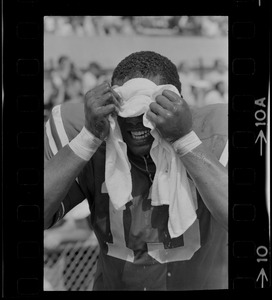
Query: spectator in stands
{"points": [[187, 77], [50, 93], [89, 26], [63, 26], [73, 89], [218, 94], [90, 76], [199, 89], [67, 80], [77, 23], [63, 70], [211, 26], [219, 72]]}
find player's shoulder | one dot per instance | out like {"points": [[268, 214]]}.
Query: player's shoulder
{"points": [[71, 116], [211, 125], [210, 120]]}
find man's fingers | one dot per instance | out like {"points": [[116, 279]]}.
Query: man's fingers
{"points": [[164, 102], [172, 96], [116, 101], [98, 91], [106, 88], [158, 110], [151, 116], [117, 96], [106, 99], [106, 110], [109, 98], [102, 88]]}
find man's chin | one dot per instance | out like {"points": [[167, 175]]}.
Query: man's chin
{"points": [[140, 150]]}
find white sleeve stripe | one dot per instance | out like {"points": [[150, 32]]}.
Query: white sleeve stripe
{"points": [[51, 140], [224, 156], [56, 113]]}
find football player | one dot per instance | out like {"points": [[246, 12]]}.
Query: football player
{"points": [[136, 249]]}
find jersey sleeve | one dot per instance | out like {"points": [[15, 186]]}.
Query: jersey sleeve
{"points": [[211, 125], [64, 123]]}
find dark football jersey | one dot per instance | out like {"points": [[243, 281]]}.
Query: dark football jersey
{"points": [[136, 250]]}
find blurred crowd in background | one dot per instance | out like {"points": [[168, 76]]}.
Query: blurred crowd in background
{"points": [[202, 84], [210, 26]]}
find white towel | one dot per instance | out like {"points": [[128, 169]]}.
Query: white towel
{"points": [[170, 184]]}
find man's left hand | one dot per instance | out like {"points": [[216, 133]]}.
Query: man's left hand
{"points": [[171, 116]]}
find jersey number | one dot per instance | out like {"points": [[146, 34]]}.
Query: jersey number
{"points": [[118, 247]]}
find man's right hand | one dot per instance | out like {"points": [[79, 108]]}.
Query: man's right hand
{"points": [[99, 103]]}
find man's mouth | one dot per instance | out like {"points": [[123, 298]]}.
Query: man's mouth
{"points": [[140, 134]]}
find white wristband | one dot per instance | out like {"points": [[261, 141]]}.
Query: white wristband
{"points": [[186, 144], [85, 144]]}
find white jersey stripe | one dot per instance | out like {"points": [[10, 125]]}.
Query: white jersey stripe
{"points": [[51, 140], [224, 156], [56, 113]]}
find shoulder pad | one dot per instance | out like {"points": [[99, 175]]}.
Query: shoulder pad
{"points": [[73, 118], [210, 123], [210, 120]]}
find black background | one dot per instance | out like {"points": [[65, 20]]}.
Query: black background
{"points": [[22, 132]]}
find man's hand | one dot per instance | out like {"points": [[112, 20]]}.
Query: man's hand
{"points": [[171, 116], [100, 102]]}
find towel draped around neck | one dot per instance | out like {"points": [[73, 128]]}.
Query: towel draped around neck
{"points": [[170, 185]]}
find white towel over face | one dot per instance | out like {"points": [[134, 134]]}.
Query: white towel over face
{"points": [[170, 185]]}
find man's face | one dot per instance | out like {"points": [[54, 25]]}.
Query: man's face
{"points": [[135, 134]]}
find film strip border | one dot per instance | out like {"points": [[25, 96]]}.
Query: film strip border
{"points": [[249, 176], [249, 172], [22, 150]]}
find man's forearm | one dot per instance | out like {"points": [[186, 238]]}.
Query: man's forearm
{"points": [[211, 180], [59, 174], [70, 231]]}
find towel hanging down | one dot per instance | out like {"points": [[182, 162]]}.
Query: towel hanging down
{"points": [[170, 184]]}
